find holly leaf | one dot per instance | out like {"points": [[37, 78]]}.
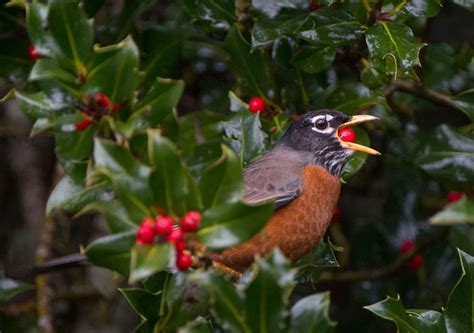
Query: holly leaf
{"points": [[143, 302], [465, 102], [71, 30], [231, 224], [115, 72], [243, 132], [458, 212], [311, 314], [393, 49], [38, 105], [218, 14], [312, 59], [219, 183], [120, 217], [10, 288], [74, 146], [358, 159], [112, 252], [249, 66], [48, 69], [148, 260], [330, 27]]}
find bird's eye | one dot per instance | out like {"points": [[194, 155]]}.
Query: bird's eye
{"points": [[321, 124]]}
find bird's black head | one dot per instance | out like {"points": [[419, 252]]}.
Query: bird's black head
{"points": [[315, 136]]}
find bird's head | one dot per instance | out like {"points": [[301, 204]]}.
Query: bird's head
{"points": [[315, 136]]}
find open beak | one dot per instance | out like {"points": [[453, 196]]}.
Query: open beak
{"points": [[354, 146]]}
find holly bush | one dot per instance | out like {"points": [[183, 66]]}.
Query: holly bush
{"points": [[148, 106]]}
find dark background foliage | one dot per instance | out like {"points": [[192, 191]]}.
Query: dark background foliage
{"points": [[408, 62]]}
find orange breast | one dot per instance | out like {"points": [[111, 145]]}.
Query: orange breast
{"points": [[294, 228]]}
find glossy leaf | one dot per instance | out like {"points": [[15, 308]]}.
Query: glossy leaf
{"points": [[227, 301], [459, 314], [219, 183], [147, 260], [465, 101], [200, 325], [330, 27], [311, 59], [311, 314], [37, 105], [461, 211], [219, 14], [63, 121], [243, 132], [265, 293], [143, 302], [446, 154], [129, 177], [467, 4], [174, 189], [393, 42], [231, 224], [112, 252], [116, 73], [120, 217], [10, 288], [419, 8], [45, 69], [71, 30], [74, 146], [267, 29], [250, 67], [41, 38], [358, 159]]}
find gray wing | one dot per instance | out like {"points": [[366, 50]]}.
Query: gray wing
{"points": [[272, 179]]}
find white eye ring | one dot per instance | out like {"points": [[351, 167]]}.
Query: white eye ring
{"points": [[326, 119]]}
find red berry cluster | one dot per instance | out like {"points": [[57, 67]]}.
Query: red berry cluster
{"points": [[163, 229], [417, 260], [95, 107], [33, 54], [346, 134]]}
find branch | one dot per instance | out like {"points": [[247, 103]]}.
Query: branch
{"points": [[241, 12], [417, 88], [382, 272]]}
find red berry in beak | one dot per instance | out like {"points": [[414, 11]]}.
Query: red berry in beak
{"points": [[346, 134]]}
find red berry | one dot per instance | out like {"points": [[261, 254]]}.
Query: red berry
{"points": [[176, 236], [194, 215], [256, 104], [336, 216], [314, 6], [180, 246], [183, 261], [407, 246], [454, 196], [415, 262], [164, 225], [145, 235], [116, 107], [102, 101], [189, 224], [83, 124], [32, 53], [346, 134]]}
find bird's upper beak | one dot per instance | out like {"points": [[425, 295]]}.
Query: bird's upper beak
{"points": [[354, 121]]}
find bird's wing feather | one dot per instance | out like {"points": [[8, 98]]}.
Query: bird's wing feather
{"points": [[265, 182]]}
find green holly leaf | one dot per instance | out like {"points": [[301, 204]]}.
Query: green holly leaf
{"points": [[49, 69], [330, 27], [461, 211], [217, 14], [320, 257], [266, 293], [393, 48], [219, 183], [10, 288], [115, 72], [419, 8], [71, 30], [143, 302], [174, 189], [120, 216], [465, 102], [112, 252], [147, 260], [129, 177], [243, 132], [459, 314], [41, 38], [312, 59], [446, 154], [311, 314], [74, 146], [267, 29], [358, 159], [231, 224], [38, 105], [249, 66]]}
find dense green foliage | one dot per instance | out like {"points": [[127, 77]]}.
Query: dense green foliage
{"points": [[183, 132]]}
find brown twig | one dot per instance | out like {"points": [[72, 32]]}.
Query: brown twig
{"points": [[417, 88], [242, 8], [382, 272]]}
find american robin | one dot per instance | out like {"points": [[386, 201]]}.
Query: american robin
{"points": [[301, 176]]}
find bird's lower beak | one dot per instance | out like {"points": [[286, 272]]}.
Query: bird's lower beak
{"points": [[355, 120]]}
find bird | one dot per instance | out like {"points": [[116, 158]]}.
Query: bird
{"points": [[301, 175]]}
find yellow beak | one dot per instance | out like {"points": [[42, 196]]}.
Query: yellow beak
{"points": [[354, 146]]}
